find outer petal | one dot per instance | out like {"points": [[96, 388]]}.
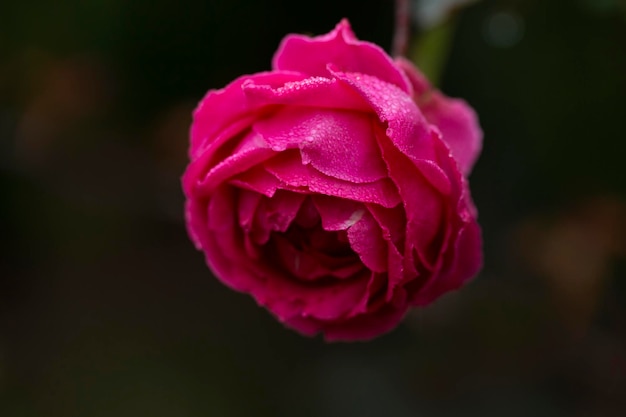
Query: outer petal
{"points": [[362, 327], [456, 120], [424, 206], [341, 48], [461, 263], [460, 253], [407, 129], [221, 114], [251, 151], [222, 120]]}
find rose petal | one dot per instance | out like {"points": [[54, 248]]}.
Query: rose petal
{"points": [[362, 327], [370, 301], [461, 221], [459, 127], [219, 110], [257, 179], [338, 144], [316, 92], [310, 55], [250, 152], [393, 225], [281, 209], [248, 202], [288, 298], [462, 262], [195, 221], [308, 216], [275, 214], [288, 168], [406, 127], [366, 240], [456, 120], [423, 205], [337, 214], [392, 222], [367, 326], [395, 271]]}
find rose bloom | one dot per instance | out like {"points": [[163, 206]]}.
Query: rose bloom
{"points": [[333, 188]]}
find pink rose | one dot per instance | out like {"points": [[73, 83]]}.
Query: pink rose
{"points": [[332, 188]]}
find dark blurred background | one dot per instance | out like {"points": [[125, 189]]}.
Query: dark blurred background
{"points": [[106, 309]]}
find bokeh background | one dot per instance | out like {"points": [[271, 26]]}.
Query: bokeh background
{"points": [[106, 309]]}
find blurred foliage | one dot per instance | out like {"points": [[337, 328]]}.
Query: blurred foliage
{"points": [[107, 310]]}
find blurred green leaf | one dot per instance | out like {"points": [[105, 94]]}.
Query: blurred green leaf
{"points": [[431, 49]]}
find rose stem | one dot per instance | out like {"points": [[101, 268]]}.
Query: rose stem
{"points": [[402, 26]]}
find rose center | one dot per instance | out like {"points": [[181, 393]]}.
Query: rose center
{"points": [[309, 253]]}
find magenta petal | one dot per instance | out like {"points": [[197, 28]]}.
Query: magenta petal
{"points": [[366, 326], [315, 92], [459, 127], [280, 210], [250, 152], [392, 222], [362, 327], [218, 218], [462, 262], [288, 168], [337, 214], [275, 214], [395, 270], [459, 256], [370, 301], [456, 120], [311, 55], [423, 204], [248, 203], [338, 144], [366, 240], [307, 217], [195, 220], [344, 272], [406, 127], [330, 302], [257, 179], [220, 110]]}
